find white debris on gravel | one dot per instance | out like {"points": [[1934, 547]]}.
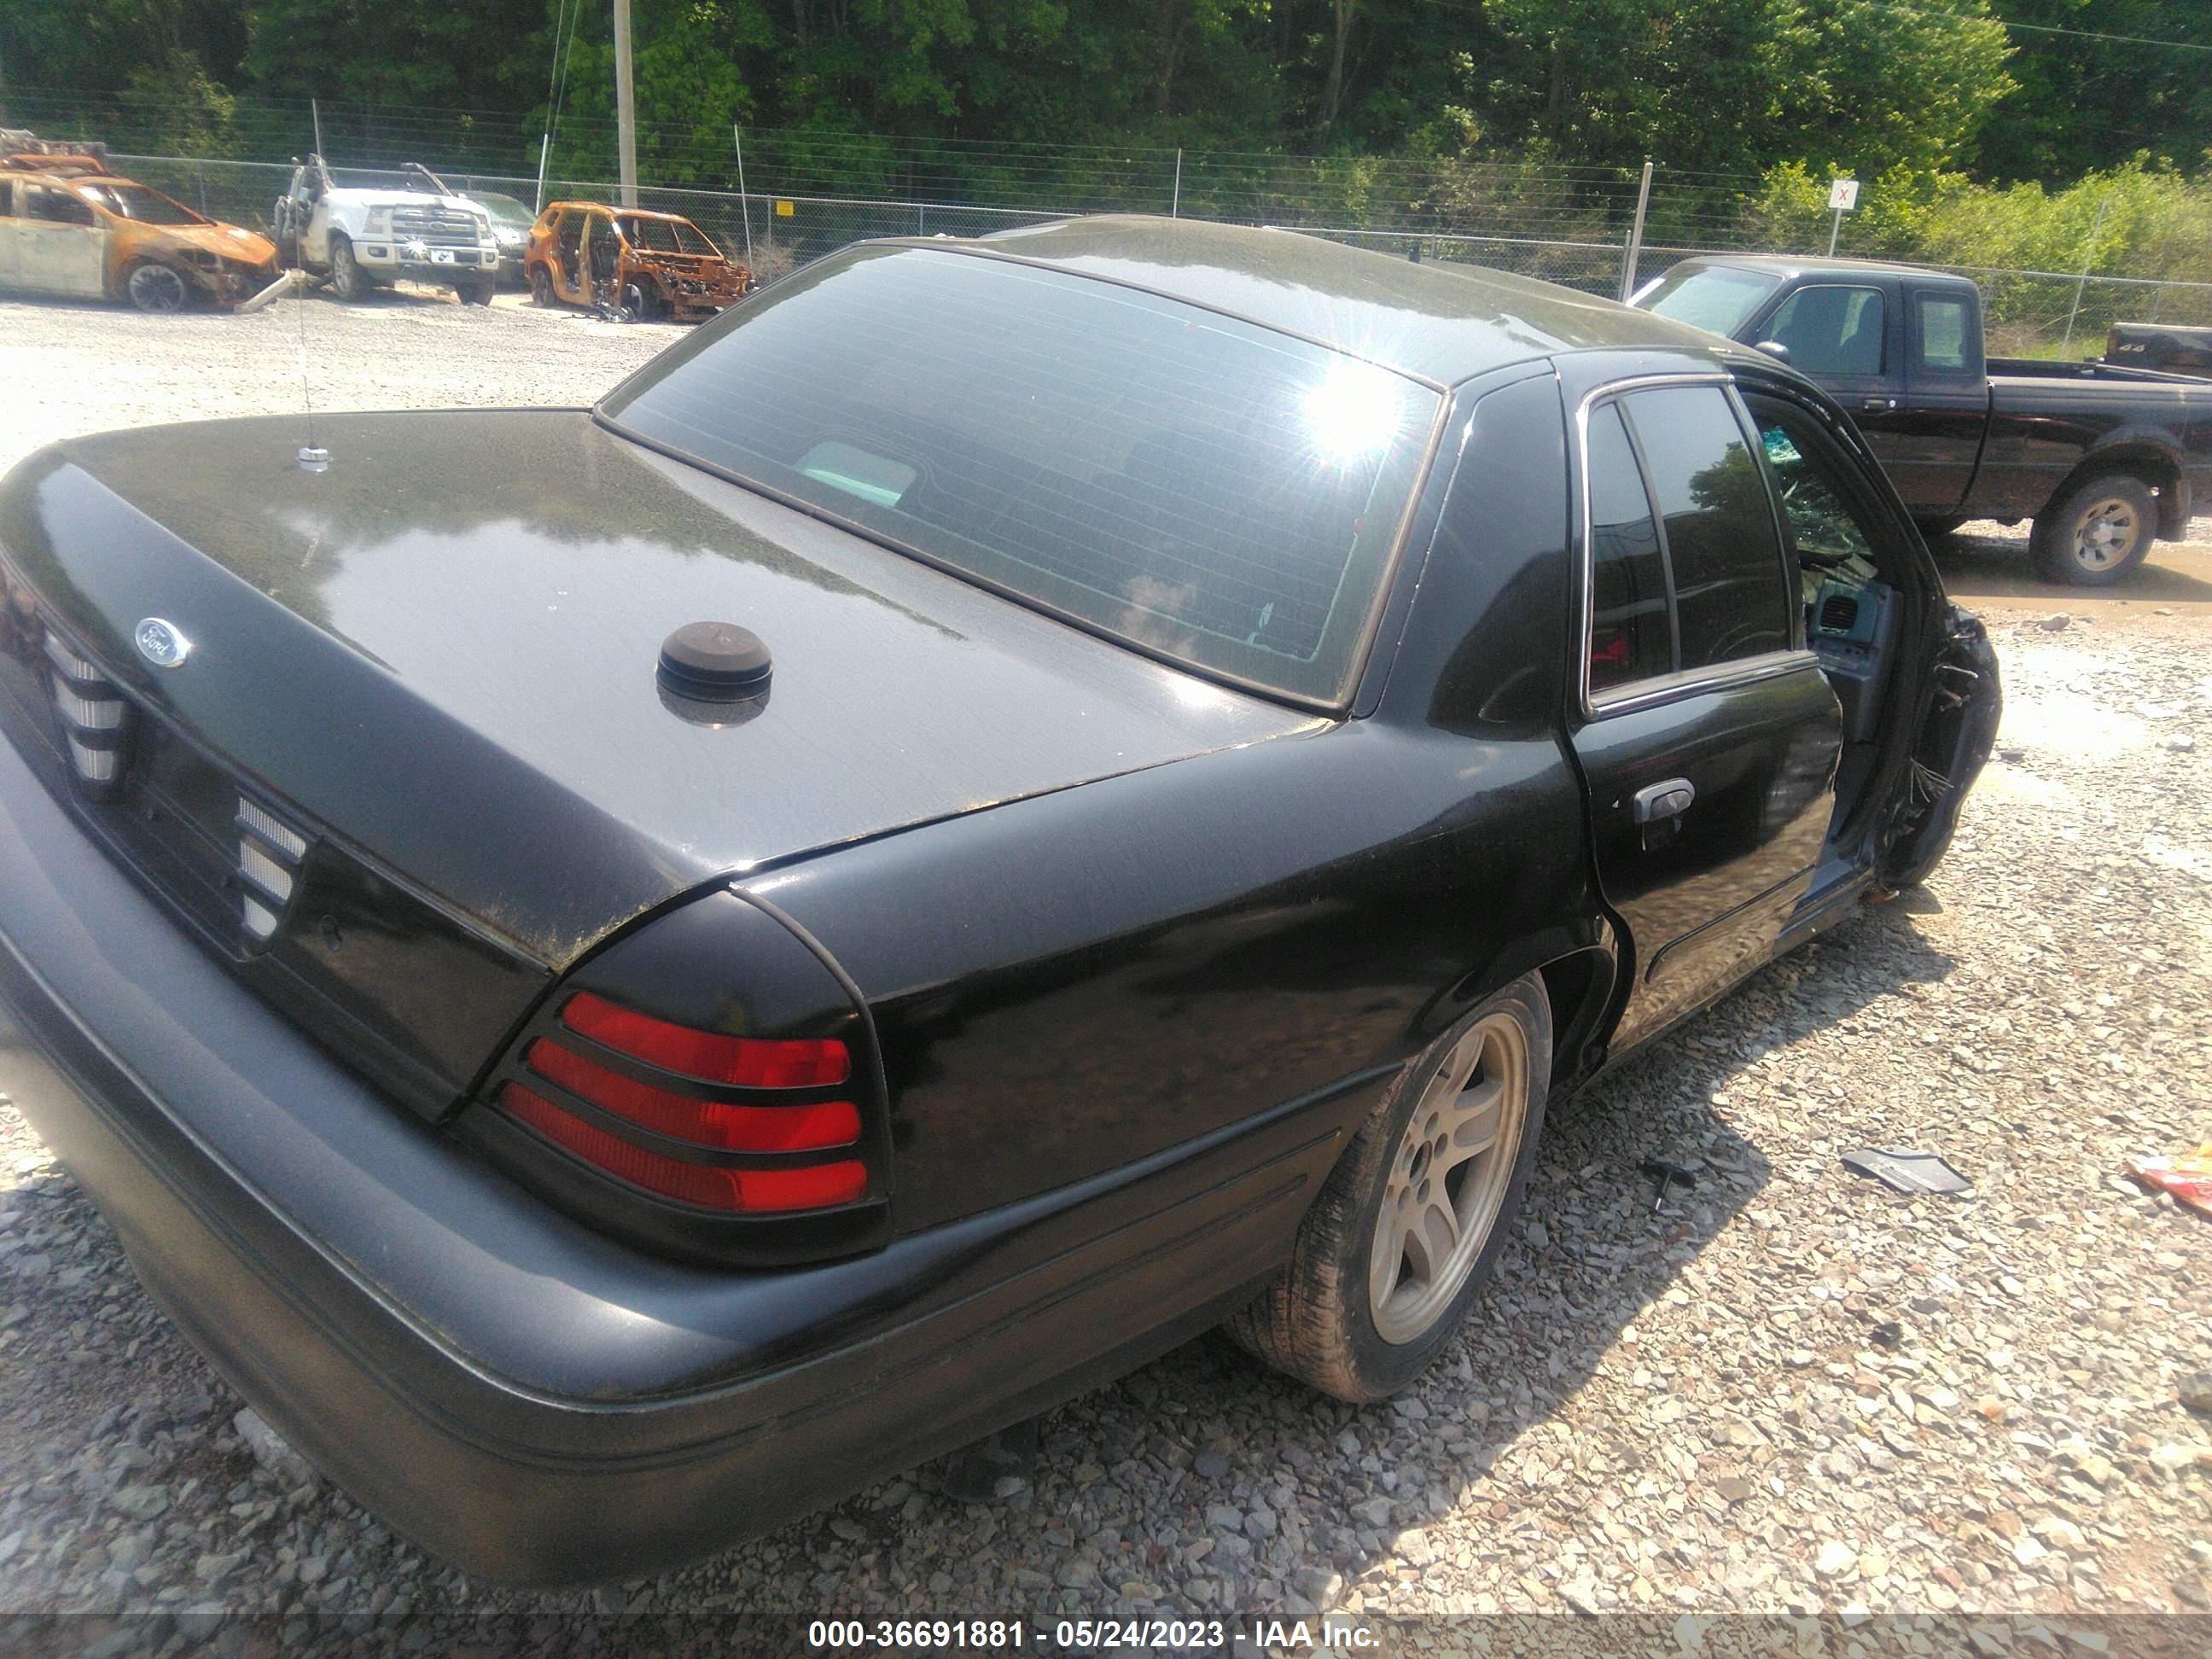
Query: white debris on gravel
{"points": [[271, 1451], [1789, 1389]]}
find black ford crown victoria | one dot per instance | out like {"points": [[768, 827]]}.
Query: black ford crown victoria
{"points": [[1202, 733]]}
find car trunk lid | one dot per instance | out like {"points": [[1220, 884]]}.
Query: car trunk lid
{"points": [[442, 650]]}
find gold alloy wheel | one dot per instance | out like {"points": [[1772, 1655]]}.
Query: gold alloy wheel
{"points": [[1449, 1179]]}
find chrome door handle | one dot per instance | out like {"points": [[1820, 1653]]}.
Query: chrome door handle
{"points": [[1670, 800]]}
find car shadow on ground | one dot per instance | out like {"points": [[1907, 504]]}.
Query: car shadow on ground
{"points": [[1133, 1479], [1127, 1503], [2001, 567]]}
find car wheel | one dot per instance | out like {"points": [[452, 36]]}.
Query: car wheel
{"points": [[1412, 1219], [475, 293], [637, 302], [347, 280], [541, 286], [1934, 530], [2098, 533], [156, 288]]}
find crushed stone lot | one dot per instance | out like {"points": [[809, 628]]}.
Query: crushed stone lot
{"points": [[1785, 1389]]}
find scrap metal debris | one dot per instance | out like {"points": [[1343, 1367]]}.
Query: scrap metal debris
{"points": [[1903, 1171], [1667, 1174]]}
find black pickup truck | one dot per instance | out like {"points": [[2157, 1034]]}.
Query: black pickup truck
{"points": [[2103, 459]]}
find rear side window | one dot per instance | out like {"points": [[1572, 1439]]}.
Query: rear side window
{"points": [[1201, 487], [1722, 550], [1632, 637], [1831, 331], [1942, 346], [1686, 567]]}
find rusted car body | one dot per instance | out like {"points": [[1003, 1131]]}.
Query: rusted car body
{"points": [[651, 265], [68, 226]]}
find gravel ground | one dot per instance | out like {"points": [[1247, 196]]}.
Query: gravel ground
{"points": [[1788, 1390]]}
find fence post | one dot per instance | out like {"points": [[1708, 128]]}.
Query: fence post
{"points": [[1174, 202], [545, 150], [1635, 250], [2089, 260], [745, 201]]}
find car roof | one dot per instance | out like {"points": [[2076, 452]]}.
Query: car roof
{"points": [[68, 180], [619, 212], [54, 163], [1442, 320], [1791, 266]]}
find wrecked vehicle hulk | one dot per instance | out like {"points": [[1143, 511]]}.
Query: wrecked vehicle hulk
{"points": [[71, 228], [362, 237], [650, 266]]}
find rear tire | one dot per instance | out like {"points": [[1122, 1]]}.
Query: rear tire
{"points": [[156, 288], [476, 293], [2098, 533], [1934, 530], [347, 280], [1411, 1221]]}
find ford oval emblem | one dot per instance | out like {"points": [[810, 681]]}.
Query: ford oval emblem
{"points": [[160, 643]]}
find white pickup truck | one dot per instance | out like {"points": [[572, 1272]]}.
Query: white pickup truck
{"points": [[362, 236]]}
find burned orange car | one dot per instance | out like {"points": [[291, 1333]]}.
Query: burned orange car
{"points": [[649, 266], [68, 226]]}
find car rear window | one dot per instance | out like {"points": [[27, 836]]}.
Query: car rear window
{"points": [[1200, 486]]}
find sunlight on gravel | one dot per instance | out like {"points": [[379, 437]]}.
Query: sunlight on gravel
{"points": [[1786, 1389]]}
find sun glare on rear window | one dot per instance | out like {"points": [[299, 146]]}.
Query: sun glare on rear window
{"points": [[1201, 486]]}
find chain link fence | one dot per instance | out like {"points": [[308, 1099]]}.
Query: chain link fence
{"points": [[1574, 226]]}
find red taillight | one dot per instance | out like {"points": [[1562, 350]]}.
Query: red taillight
{"points": [[709, 1123], [709, 1056], [747, 1191]]}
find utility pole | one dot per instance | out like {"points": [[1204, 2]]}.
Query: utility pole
{"points": [[625, 105]]}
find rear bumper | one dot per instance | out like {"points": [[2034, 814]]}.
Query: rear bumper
{"points": [[516, 1394]]}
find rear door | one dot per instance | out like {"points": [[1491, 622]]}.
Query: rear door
{"points": [[569, 281], [1929, 437], [61, 246], [1707, 735]]}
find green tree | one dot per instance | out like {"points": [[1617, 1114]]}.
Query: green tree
{"points": [[2083, 101]]}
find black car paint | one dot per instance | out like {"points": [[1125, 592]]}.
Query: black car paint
{"points": [[1127, 1015], [2006, 438]]}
